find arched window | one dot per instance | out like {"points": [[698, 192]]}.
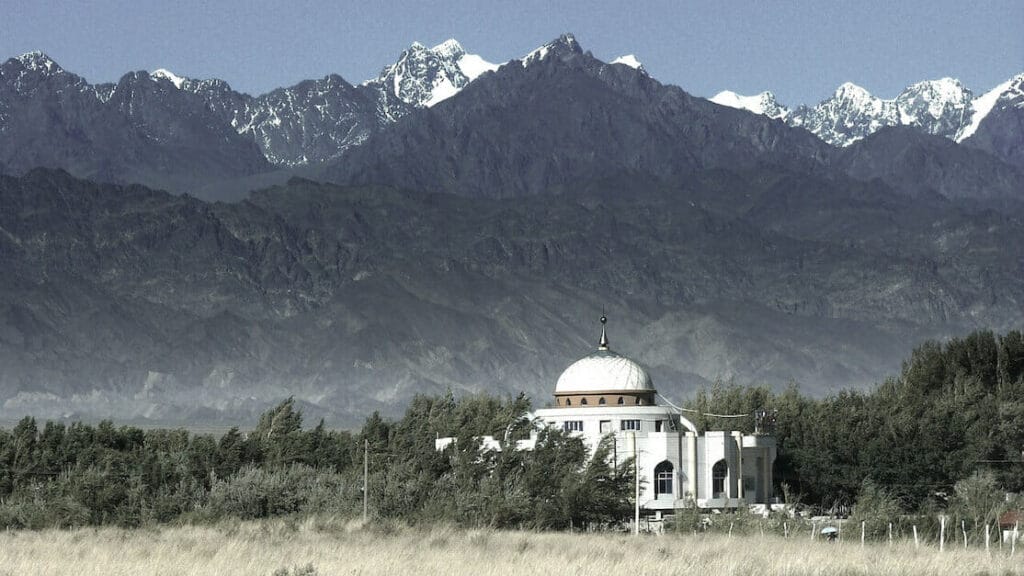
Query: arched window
{"points": [[663, 479], [601, 401], [568, 401], [583, 402], [719, 472], [639, 401], [622, 400]]}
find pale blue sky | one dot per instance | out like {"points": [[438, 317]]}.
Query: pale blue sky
{"points": [[800, 49]]}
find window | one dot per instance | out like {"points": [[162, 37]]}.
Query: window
{"points": [[606, 426], [658, 425], [719, 472], [663, 477], [639, 401], [630, 425], [601, 401], [622, 400], [568, 401], [573, 425], [583, 402]]}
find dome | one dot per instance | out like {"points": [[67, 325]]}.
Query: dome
{"points": [[604, 371]]}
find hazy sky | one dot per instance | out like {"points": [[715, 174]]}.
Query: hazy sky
{"points": [[800, 49]]}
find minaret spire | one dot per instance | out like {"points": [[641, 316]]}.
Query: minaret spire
{"points": [[604, 335]]}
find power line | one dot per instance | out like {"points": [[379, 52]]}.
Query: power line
{"points": [[669, 402]]}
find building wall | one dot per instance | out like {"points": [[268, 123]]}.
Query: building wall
{"points": [[670, 444]]}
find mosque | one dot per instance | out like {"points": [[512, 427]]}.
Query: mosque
{"points": [[605, 393]]}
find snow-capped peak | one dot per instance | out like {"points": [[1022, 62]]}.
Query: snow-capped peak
{"points": [[450, 48], [983, 104], [939, 106], [629, 60], [165, 74], [763, 103], [423, 76], [942, 107], [39, 62], [564, 43], [851, 91], [945, 88]]}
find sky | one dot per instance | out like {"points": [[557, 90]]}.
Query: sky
{"points": [[799, 49]]}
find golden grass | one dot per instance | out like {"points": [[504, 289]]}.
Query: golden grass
{"points": [[331, 547]]}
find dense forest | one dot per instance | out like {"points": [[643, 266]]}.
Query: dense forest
{"points": [[946, 434]]}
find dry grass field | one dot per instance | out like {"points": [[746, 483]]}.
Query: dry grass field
{"points": [[323, 547]]}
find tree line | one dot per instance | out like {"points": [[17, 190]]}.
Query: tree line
{"points": [[956, 408], [80, 474], [947, 433]]}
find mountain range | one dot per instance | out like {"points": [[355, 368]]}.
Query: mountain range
{"points": [[202, 137], [944, 107], [455, 224]]}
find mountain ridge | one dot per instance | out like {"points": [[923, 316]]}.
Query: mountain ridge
{"points": [[318, 121], [356, 298], [943, 107]]}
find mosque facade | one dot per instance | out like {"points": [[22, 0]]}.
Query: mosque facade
{"points": [[607, 394]]}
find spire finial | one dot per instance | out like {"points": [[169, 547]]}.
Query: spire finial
{"points": [[604, 335]]}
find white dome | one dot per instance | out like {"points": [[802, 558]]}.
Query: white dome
{"points": [[604, 371]]}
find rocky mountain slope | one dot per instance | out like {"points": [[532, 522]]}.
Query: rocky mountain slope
{"points": [[183, 134], [141, 129], [560, 116], [564, 117], [997, 125], [123, 301]]}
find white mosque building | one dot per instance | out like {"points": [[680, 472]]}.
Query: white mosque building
{"points": [[605, 393]]}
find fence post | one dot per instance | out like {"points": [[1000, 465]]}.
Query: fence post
{"points": [[812, 530], [942, 532], [963, 529], [916, 543], [862, 533], [785, 530], [987, 527], [890, 533]]}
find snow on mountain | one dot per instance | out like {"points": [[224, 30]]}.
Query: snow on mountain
{"points": [[982, 106], [629, 60], [941, 107], [849, 115], [763, 103], [36, 61], [566, 43], [165, 74], [36, 73], [938, 107], [422, 77], [996, 122], [310, 122], [473, 66]]}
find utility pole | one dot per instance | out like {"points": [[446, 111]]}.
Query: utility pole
{"points": [[366, 475]]}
